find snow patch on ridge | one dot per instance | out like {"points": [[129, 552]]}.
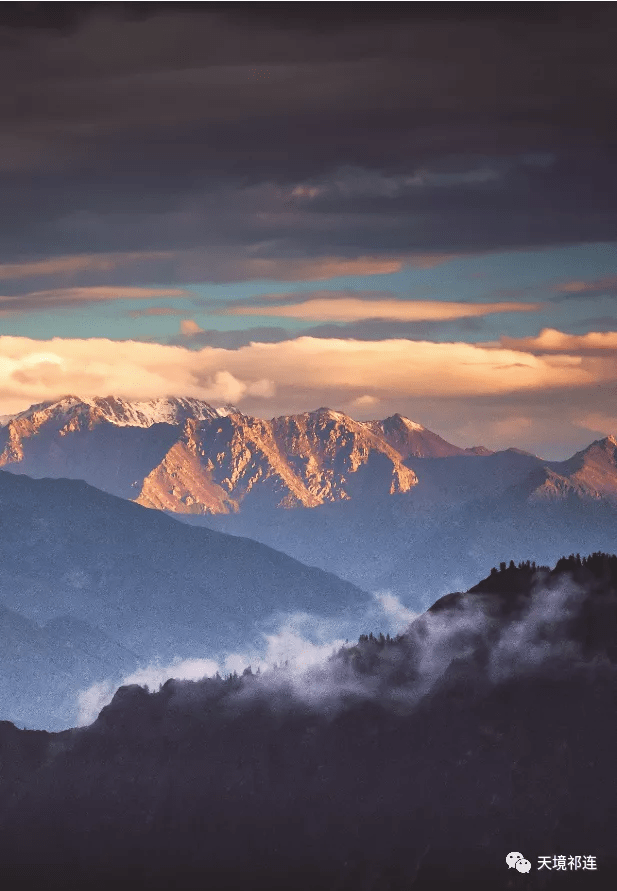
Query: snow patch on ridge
{"points": [[411, 425], [125, 412]]}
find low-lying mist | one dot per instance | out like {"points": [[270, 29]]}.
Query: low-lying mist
{"points": [[413, 759], [296, 646], [477, 639]]}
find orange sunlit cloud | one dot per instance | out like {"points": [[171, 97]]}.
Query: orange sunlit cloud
{"points": [[420, 378], [189, 327], [56, 297], [155, 311], [35, 370], [204, 265], [201, 266], [608, 283], [77, 263], [353, 310], [549, 340]]}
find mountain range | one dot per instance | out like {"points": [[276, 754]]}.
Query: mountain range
{"points": [[416, 762], [387, 505], [187, 457]]}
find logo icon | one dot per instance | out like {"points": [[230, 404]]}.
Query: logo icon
{"points": [[517, 861]]}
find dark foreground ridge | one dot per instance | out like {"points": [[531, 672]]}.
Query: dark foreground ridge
{"points": [[410, 763]]}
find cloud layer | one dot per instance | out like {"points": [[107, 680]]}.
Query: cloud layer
{"points": [[295, 667], [299, 640], [352, 309], [153, 133], [75, 297], [549, 340], [450, 387], [143, 152]]}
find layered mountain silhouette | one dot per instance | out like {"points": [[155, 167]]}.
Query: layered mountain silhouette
{"points": [[92, 585], [460, 518], [416, 762], [43, 667], [385, 504]]}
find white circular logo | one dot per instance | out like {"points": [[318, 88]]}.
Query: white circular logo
{"points": [[512, 859]]}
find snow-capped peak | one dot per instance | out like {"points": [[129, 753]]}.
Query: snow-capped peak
{"points": [[223, 411], [41, 410], [411, 425], [398, 419], [145, 413], [125, 412], [335, 415]]}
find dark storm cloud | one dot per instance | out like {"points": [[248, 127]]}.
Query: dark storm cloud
{"points": [[172, 127]]}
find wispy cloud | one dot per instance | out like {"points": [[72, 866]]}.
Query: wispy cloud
{"points": [[573, 289], [195, 267], [356, 181], [351, 309], [256, 260], [51, 266], [156, 311], [365, 401], [301, 641], [298, 297], [74, 297], [401, 675]]}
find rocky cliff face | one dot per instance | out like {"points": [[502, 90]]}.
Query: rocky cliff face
{"points": [[589, 475], [186, 456], [412, 440], [299, 461]]}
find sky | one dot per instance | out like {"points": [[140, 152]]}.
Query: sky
{"points": [[378, 208]]}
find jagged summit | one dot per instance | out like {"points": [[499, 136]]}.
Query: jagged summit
{"points": [[185, 455], [298, 460], [608, 443], [54, 407], [411, 439], [397, 418], [590, 474], [323, 412], [123, 412]]}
